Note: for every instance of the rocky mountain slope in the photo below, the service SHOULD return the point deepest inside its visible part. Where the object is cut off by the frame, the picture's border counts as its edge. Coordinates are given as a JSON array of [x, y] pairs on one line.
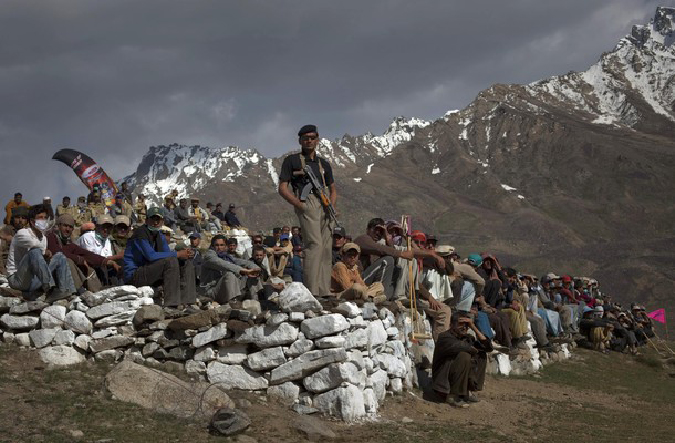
[[573, 173]]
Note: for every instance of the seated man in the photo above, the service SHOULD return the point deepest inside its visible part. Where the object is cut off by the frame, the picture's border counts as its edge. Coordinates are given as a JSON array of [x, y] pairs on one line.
[[346, 280], [294, 265], [185, 221], [279, 256], [149, 262], [82, 262], [121, 207], [227, 278], [213, 222], [266, 285], [19, 218], [99, 242], [460, 361], [32, 267], [466, 272], [339, 234], [232, 244], [377, 259], [231, 217], [273, 240]]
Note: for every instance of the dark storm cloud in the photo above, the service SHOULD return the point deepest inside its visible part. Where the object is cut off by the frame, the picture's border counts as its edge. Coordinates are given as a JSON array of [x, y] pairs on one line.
[[114, 77]]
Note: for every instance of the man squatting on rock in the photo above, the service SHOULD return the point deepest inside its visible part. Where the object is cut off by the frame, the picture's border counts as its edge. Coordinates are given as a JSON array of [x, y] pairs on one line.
[[313, 217]]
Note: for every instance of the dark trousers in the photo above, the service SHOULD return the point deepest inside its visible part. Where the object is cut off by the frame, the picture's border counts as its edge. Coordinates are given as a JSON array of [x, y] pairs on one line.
[[461, 374], [499, 321], [177, 279], [382, 270]]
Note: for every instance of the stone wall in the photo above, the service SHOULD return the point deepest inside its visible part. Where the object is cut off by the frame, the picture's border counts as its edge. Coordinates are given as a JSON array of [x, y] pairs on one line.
[[337, 359]]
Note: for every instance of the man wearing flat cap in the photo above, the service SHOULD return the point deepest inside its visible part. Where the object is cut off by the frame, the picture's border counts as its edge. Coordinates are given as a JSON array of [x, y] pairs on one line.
[[313, 217]]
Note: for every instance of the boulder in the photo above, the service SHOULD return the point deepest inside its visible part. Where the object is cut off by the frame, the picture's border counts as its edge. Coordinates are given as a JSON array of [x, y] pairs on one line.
[[376, 333], [215, 333], [299, 347], [268, 336], [266, 359], [195, 367], [147, 314], [229, 422], [6, 303], [115, 320], [205, 354], [391, 364], [109, 356], [233, 355], [296, 317], [370, 401], [116, 292], [356, 339], [324, 325], [297, 298], [16, 323], [82, 342], [252, 306], [330, 342], [104, 344], [22, 339], [42, 337], [379, 381], [333, 376], [285, 393], [103, 333], [277, 318], [111, 308], [195, 321], [163, 392], [306, 364], [52, 317], [344, 402], [28, 306], [78, 322], [235, 377], [64, 337], [348, 309], [61, 356]]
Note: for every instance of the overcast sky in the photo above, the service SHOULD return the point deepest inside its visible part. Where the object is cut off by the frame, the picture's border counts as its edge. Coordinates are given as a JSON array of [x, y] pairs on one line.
[[111, 78]]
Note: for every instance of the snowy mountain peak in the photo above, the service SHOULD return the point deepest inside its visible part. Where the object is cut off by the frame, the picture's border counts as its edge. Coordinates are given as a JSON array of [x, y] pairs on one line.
[[660, 30]]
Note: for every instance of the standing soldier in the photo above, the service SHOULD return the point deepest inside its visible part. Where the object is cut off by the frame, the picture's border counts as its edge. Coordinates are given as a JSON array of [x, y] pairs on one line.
[[313, 216], [83, 214], [96, 205]]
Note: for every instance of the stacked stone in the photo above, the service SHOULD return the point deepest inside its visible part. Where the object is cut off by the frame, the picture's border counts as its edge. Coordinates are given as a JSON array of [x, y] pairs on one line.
[[93, 325]]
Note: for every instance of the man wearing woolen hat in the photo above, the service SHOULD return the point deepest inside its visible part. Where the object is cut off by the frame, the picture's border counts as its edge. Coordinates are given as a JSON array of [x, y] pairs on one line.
[[313, 217]]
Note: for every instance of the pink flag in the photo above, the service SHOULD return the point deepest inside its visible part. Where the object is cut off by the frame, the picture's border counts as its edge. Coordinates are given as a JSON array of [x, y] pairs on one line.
[[659, 315]]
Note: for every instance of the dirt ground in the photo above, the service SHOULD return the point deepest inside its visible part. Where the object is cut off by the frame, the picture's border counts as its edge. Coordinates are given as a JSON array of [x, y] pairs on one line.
[[593, 397]]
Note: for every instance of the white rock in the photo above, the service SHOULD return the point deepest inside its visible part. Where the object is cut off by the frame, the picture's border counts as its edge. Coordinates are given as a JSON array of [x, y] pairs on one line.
[[18, 323], [134, 355], [395, 347], [109, 355], [357, 322], [78, 322], [42, 337], [52, 317], [297, 298], [235, 377], [325, 325], [103, 333], [396, 385], [376, 333], [392, 332], [61, 356], [7, 303], [268, 336], [369, 311], [252, 306], [64, 337], [369, 365], [115, 320], [296, 316], [277, 318], [150, 349], [266, 359], [391, 364], [299, 347], [146, 291], [356, 339], [8, 337], [504, 364], [111, 308], [379, 380], [285, 393], [306, 364], [115, 292], [344, 402], [22, 339], [333, 376], [370, 401], [357, 358], [215, 333], [82, 342], [205, 354], [233, 355], [330, 342], [145, 301], [195, 367], [348, 309]]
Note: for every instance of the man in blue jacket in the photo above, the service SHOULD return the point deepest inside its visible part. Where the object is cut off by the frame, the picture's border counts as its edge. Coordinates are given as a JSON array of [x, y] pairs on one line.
[[148, 261]]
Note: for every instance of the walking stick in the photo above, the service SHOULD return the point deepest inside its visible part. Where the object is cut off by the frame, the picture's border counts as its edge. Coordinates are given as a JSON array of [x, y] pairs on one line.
[[416, 334]]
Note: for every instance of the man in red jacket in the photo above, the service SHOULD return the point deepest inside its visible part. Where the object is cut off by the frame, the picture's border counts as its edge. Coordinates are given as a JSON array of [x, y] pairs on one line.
[[81, 261]]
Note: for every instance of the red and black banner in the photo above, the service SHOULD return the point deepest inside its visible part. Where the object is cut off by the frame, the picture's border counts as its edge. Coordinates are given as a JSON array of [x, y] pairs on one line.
[[91, 174]]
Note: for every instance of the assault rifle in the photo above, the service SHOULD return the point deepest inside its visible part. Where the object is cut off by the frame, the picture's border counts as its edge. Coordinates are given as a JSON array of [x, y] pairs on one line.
[[319, 189]]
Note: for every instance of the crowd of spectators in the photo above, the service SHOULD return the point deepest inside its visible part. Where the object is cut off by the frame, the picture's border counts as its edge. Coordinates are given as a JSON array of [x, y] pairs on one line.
[[192, 255]]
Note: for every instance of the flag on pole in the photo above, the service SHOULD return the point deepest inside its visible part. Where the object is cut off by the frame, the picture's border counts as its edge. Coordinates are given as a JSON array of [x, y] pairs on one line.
[[659, 315]]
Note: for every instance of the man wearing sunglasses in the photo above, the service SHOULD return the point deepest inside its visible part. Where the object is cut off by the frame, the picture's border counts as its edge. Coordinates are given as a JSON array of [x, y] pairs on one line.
[[314, 219]]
